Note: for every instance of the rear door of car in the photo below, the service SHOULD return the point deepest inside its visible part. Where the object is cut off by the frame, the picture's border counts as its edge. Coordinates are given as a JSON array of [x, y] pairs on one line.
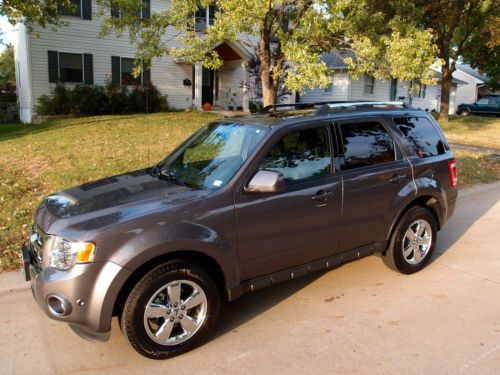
[[277, 231], [377, 179]]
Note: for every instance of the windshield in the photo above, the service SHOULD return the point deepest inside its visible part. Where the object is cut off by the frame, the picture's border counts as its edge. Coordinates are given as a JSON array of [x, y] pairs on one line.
[[212, 156]]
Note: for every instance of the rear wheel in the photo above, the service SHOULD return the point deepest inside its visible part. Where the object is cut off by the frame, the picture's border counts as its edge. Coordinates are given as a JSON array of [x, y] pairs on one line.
[[171, 310], [412, 242]]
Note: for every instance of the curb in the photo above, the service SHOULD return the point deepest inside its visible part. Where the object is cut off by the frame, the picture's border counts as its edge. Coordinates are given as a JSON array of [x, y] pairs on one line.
[[12, 282]]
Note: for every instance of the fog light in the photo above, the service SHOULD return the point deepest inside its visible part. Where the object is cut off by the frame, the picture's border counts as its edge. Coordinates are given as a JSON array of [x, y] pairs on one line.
[[58, 305]]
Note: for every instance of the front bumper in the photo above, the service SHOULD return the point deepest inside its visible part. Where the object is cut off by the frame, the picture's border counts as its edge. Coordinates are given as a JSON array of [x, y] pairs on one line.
[[88, 292]]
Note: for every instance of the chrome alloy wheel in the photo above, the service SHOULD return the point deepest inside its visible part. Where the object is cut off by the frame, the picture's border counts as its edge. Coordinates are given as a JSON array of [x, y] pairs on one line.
[[175, 312], [417, 241]]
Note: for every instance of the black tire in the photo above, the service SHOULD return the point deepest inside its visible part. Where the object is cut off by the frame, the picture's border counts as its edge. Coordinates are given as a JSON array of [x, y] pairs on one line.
[[464, 112], [132, 316], [394, 257]]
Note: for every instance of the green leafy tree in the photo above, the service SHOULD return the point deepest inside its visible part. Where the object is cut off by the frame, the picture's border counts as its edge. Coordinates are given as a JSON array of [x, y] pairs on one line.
[[288, 38], [459, 28], [34, 12], [7, 67]]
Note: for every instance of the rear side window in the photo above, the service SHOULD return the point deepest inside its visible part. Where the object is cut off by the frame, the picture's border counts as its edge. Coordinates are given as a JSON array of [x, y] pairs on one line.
[[365, 144], [421, 134]]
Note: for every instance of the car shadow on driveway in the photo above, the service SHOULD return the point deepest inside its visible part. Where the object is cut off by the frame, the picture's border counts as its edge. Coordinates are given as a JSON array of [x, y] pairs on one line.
[[466, 215]]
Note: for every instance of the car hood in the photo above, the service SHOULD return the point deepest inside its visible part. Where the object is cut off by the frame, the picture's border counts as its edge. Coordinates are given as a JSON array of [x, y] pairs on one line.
[[108, 201]]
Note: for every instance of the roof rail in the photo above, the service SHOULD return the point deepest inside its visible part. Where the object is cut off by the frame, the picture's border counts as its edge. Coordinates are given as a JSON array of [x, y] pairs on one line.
[[326, 107]]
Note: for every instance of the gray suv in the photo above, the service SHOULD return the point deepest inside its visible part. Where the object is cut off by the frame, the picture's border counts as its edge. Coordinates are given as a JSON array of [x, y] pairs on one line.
[[242, 204]]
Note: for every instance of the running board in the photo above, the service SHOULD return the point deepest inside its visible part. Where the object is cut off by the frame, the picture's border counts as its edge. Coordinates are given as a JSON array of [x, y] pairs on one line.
[[304, 269]]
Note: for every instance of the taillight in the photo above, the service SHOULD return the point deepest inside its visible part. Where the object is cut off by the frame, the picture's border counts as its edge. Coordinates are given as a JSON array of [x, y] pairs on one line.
[[452, 168]]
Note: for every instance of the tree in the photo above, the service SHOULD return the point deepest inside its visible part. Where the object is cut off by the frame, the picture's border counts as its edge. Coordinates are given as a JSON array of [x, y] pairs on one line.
[[34, 12], [459, 28], [287, 37], [7, 67]]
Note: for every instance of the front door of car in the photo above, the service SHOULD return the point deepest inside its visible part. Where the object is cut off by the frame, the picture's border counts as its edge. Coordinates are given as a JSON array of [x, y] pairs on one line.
[[377, 180], [281, 230]]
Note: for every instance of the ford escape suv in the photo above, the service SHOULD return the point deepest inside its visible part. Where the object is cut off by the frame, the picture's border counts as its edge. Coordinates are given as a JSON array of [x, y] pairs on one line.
[[242, 204]]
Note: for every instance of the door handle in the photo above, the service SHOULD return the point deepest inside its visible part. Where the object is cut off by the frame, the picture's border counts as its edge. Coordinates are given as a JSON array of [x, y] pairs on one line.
[[397, 178], [323, 195]]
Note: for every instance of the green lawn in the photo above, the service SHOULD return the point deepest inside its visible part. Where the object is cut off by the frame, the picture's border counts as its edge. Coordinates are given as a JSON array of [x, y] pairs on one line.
[[473, 130], [36, 160]]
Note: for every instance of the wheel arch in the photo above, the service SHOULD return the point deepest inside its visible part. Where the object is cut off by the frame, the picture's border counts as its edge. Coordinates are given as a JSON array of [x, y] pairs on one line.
[[426, 201], [200, 258]]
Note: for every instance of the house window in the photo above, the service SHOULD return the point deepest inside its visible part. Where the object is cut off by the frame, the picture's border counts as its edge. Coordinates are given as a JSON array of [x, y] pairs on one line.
[[126, 72], [143, 13], [71, 67], [74, 11], [329, 88], [423, 91], [204, 17], [369, 85], [79, 8], [122, 69]]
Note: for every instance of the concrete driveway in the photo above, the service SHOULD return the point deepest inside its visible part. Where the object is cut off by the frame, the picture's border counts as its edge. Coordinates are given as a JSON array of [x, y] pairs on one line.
[[360, 318]]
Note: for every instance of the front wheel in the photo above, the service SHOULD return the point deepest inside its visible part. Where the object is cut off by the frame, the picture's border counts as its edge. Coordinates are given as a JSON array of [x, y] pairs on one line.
[[464, 112], [171, 310], [412, 242]]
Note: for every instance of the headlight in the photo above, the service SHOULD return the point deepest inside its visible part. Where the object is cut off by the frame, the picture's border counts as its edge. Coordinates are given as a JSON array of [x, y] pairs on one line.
[[64, 254]]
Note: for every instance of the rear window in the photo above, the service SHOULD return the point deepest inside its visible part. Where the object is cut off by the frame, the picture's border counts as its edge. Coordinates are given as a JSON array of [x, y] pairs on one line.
[[421, 134]]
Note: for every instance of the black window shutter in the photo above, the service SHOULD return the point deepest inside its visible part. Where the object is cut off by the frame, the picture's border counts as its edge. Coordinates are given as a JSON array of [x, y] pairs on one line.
[[146, 10], [146, 74], [115, 11], [53, 67], [115, 70], [88, 69], [87, 9]]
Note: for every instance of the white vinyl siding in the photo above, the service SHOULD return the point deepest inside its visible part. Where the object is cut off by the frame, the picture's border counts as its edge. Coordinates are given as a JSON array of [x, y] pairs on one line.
[[340, 88], [381, 90]]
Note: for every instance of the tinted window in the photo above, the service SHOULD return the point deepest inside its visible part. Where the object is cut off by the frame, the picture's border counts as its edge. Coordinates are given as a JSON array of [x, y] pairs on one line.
[[366, 143], [300, 155], [422, 135], [482, 101]]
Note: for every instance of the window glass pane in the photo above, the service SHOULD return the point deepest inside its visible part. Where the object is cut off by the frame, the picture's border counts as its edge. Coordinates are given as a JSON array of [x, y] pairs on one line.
[[365, 144], [482, 101], [200, 20], [369, 83], [212, 9], [75, 10], [422, 135], [300, 155], [329, 88], [212, 157], [70, 67], [127, 69]]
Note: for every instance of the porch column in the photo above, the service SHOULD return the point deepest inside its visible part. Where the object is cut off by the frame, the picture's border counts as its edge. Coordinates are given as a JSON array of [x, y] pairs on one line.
[[198, 84], [246, 91]]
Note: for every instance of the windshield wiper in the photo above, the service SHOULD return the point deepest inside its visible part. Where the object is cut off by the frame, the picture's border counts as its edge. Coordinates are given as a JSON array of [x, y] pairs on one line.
[[170, 177]]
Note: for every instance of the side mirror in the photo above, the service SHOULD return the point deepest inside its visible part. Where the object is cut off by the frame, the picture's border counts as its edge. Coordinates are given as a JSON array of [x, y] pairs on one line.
[[266, 182]]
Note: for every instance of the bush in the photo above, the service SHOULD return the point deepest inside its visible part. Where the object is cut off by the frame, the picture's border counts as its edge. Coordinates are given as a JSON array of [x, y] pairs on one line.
[[97, 100], [8, 107]]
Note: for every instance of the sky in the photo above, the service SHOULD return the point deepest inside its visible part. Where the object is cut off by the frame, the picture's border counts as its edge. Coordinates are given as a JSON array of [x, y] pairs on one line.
[[8, 32]]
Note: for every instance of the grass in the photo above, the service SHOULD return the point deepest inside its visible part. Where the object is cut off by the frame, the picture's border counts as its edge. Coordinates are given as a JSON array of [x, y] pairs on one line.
[[36, 160], [473, 130]]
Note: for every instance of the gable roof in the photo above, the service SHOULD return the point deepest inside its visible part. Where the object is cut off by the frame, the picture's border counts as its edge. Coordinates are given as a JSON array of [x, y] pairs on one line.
[[466, 68]]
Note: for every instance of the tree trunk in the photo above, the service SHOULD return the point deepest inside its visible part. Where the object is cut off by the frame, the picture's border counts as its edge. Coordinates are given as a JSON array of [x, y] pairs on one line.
[[269, 86], [446, 80]]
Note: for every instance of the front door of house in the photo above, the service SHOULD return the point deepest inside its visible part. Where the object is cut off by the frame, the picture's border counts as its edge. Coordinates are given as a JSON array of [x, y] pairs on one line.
[[207, 90]]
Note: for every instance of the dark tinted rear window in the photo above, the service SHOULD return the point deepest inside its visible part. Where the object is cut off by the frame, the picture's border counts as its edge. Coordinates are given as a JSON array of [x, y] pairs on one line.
[[422, 135], [366, 143]]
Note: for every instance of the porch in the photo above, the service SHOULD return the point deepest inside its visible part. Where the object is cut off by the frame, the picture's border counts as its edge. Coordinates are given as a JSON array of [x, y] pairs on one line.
[[225, 88]]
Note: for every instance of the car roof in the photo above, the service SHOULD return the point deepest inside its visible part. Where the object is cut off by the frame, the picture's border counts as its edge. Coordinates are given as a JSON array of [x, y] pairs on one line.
[[294, 117]]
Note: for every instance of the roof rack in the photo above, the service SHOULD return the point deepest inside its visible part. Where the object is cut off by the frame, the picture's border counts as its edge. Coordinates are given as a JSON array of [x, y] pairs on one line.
[[327, 107]]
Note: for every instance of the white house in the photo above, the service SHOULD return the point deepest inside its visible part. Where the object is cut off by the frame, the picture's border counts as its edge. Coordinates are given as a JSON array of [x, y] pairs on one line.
[[476, 84], [344, 88], [74, 54]]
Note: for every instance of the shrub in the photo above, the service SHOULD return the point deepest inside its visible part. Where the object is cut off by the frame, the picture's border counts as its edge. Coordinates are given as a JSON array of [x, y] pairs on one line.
[[97, 100]]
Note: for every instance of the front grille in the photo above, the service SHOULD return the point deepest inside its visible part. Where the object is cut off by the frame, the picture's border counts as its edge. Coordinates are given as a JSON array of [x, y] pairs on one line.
[[37, 240]]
